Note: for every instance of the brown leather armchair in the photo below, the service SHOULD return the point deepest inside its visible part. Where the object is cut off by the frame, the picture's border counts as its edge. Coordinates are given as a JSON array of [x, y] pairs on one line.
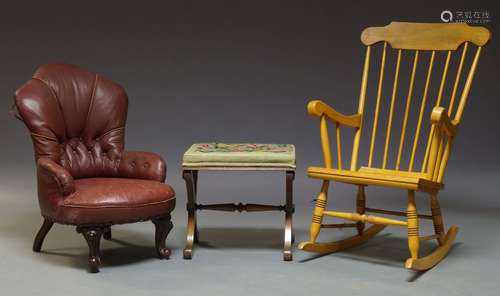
[[85, 178]]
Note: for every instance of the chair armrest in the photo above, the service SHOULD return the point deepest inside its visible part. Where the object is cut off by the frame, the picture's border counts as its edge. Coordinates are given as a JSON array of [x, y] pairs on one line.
[[440, 118], [142, 165], [319, 108], [58, 174]]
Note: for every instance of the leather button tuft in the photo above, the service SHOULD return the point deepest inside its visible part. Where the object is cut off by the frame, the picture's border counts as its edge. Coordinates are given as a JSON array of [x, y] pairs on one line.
[[132, 163], [146, 165]]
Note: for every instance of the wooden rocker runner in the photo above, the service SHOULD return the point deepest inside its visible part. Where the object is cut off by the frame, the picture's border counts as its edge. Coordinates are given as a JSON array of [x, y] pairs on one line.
[[432, 44]]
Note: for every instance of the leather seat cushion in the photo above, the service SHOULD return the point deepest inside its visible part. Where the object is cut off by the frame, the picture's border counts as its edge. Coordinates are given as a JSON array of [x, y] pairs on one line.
[[115, 200]]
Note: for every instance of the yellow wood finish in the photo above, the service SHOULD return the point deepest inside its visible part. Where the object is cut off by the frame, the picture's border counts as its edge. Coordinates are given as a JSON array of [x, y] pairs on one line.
[[421, 112], [424, 36], [413, 233], [439, 118], [437, 218], [391, 111], [435, 257], [311, 246], [407, 111], [364, 218], [377, 105], [468, 84], [359, 177], [438, 41], [361, 107], [319, 108], [339, 225], [339, 146], [319, 209], [457, 78], [360, 208], [438, 102], [395, 213], [325, 142]]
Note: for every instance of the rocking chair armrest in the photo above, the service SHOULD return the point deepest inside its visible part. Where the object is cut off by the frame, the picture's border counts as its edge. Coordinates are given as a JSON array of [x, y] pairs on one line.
[[440, 118], [319, 108], [58, 174]]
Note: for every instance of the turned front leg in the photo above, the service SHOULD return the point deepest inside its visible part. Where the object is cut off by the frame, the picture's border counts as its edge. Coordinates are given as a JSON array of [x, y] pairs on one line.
[[413, 232], [360, 207], [319, 209], [437, 218]]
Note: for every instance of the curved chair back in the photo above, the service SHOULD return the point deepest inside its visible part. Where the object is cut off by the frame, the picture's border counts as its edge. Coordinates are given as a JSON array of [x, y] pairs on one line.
[[75, 117]]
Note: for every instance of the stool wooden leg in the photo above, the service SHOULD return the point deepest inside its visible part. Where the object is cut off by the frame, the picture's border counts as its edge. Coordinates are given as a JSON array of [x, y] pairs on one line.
[[289, 208], [360, 207], [189, 177], [413, 233], [195, 188]]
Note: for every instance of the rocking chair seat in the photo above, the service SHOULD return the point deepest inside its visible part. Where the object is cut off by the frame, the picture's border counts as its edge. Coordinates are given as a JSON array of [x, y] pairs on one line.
[[115, 200], [373, 176]]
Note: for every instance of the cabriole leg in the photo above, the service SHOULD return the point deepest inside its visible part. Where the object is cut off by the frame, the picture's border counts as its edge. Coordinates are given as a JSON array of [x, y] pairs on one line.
[[93, 237], [163, 226], [40, 236]]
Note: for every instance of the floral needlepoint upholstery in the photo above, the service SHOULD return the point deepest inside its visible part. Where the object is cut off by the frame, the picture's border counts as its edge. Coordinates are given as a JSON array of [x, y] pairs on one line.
[[242, 154]]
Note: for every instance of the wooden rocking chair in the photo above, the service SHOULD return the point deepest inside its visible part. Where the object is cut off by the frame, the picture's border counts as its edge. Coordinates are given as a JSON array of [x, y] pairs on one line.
[[419, 39]]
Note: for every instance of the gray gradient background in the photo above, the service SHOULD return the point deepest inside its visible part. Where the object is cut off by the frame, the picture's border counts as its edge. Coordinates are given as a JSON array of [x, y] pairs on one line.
[[238, 71]]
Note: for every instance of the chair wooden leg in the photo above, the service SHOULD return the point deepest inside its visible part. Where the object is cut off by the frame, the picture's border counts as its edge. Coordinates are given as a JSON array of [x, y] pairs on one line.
[[360, 207], [196, 238], [445, 240], [189, 178], [107, 233], [40, 236], [163, 226], [318, 211], [289, 208], [335, 246], [413, 232], [93, 237], [437, 218]]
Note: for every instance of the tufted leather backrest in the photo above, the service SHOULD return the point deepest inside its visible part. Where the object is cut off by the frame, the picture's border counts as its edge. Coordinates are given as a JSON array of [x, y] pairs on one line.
[[76, 118]]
